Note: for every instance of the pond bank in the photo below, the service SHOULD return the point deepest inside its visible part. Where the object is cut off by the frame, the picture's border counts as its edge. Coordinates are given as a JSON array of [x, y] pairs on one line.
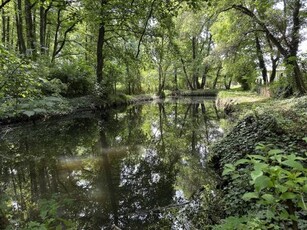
[[31, 110], [269, 124]]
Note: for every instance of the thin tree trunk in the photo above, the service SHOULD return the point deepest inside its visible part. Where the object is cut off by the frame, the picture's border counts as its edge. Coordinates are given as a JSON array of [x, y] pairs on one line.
[[274, 68], [8, 30], [186, 74], [4, 32], [217, 77], [176, 79], [42, 29], [57, 30], [100, 58], [261, 60], [195, 74]]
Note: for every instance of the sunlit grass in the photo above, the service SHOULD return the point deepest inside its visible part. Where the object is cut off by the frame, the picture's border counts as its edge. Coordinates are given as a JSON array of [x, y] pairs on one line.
[[240, 96], [290, 113]]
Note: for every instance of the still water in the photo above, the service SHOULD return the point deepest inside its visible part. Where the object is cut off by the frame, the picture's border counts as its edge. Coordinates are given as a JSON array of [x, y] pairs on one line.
[[137, 168]]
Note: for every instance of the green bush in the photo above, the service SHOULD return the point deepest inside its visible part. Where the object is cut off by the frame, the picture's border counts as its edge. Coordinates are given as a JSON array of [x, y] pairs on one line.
[[78, 77], [281, 88], [18, 76], [277, 189]]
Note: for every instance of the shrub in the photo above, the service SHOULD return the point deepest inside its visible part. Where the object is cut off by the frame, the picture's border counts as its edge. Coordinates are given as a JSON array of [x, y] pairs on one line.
[[278, 187], [78, 77]]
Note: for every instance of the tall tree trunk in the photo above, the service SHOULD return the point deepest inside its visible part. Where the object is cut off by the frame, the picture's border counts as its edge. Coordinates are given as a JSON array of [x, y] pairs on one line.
[[261, 60], [100, 45], [4, 32], [194, 71], [274, 68], [8, 30], [30, 29], [100, 57], [295, 41], [227, 83], [19, 26], [190, 85], [43, 13], [56, 35], [42, 29]]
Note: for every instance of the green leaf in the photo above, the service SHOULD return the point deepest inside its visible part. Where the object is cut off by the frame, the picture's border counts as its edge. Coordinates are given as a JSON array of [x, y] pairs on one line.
[[270, 214], [301, 203], [269, 198], [260, 166], [39, 110], [278, 158], [260, 147], [262, 182], [275, 151], [255, 174], [250, 195], [284, 215], [288, 196], [228, 168], [293, 164], [28, 113], [282, 188], [242, 161], [259, 157]]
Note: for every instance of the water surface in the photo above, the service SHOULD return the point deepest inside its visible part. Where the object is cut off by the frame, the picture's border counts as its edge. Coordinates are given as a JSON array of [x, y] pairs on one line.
[[137, 168]]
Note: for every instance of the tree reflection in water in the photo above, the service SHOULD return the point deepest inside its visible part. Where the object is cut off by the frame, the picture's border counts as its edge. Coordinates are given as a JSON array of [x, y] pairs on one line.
[[135, 168]]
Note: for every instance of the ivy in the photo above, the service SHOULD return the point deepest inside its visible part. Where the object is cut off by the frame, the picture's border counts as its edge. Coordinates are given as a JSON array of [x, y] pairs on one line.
[[278, 185]]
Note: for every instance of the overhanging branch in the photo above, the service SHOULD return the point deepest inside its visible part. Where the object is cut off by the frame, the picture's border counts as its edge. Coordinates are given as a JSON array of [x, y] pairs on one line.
[[145, 27]]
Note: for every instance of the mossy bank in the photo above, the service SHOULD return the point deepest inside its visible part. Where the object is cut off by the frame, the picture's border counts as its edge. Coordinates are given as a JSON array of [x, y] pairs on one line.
[[269, 142]]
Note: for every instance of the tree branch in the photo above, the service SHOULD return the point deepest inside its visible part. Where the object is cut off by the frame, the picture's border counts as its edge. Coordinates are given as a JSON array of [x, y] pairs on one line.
[[64, 39], [145, 27], [274, 40], [4, 3]]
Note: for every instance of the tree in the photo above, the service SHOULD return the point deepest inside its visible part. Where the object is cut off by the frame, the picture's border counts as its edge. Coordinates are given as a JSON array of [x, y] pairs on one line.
[[235, 47], [284, 35], [193, 44]]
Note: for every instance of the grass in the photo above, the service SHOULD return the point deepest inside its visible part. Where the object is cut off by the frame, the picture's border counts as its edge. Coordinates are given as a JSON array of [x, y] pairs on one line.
[[291, 114]]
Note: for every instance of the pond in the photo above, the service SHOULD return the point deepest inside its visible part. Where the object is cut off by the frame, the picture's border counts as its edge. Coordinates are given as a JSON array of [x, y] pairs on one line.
[[138, 167]]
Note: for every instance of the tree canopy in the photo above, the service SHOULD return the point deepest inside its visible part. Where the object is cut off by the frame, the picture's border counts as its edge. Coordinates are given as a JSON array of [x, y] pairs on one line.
[[149, 46]]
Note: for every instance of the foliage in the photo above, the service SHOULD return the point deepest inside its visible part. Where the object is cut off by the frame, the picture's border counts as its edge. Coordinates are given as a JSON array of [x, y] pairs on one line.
[[242, 139], [47, 217], [18, 76], [281, 88], [77, 76], [44, 106], [278, 185]]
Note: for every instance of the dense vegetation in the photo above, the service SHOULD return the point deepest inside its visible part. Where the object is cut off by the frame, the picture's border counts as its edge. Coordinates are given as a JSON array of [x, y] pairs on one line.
[[59, 56], [56, 48], [262, 164]]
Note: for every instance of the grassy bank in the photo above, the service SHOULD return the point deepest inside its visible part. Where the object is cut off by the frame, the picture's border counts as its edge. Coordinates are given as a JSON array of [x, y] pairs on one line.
[[262, 162]]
